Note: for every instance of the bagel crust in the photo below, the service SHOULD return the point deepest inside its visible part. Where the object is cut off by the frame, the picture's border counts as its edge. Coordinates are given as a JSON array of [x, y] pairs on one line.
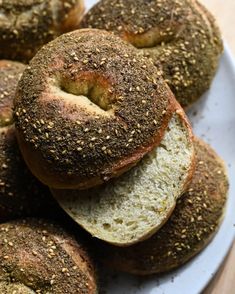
[[10, 73], [21, 194], [88, 108], [180, 36], [40, 257], [191, 227], [26, 25]]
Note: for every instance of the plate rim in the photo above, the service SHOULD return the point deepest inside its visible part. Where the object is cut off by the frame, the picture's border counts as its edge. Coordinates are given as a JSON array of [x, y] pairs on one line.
[[231, 62]]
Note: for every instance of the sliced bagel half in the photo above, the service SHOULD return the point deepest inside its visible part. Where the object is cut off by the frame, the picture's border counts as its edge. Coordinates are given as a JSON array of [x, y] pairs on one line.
[[193, 224], [133, 207]]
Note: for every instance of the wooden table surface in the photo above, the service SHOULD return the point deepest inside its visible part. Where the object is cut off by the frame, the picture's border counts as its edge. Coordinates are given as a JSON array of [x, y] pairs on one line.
[[223, 10], [224, 280]]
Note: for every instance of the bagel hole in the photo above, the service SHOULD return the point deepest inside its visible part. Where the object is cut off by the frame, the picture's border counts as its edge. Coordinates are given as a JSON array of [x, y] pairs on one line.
[[151, 39], [91, 93]]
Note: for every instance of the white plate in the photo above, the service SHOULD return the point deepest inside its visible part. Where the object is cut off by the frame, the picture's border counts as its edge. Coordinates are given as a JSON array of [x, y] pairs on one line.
[[213, 119]]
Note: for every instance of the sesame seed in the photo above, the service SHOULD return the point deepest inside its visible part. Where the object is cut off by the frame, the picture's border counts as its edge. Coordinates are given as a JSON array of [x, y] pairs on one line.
[[64, 269]]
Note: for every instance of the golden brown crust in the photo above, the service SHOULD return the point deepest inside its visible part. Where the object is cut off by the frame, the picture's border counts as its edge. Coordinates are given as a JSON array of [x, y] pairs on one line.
[[26, 25], [192, 225], [20, 193], [186, 122], [181, 37], [42, 257], [72, 141]]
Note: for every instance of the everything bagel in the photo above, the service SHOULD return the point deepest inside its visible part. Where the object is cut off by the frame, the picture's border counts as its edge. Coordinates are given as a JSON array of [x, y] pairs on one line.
[[37, 256], [26, 25], [180, 36], [88, 108], [21, 194]]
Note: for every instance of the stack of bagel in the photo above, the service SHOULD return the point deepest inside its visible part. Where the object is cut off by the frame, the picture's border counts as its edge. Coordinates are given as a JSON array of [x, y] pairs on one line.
[[94, 128]]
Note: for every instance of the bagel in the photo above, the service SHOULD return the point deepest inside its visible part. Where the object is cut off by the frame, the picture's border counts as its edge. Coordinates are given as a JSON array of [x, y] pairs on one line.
[[10, 73], [20, 193], [88, 108], [134, 206], [40, 257], [26, 25], [194, 222], [180, 36]]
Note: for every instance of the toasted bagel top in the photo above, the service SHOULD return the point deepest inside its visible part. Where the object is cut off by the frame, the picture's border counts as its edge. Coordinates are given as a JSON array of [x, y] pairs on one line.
[[40, 256], [91, 106], [181, 37], [26, 25]]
